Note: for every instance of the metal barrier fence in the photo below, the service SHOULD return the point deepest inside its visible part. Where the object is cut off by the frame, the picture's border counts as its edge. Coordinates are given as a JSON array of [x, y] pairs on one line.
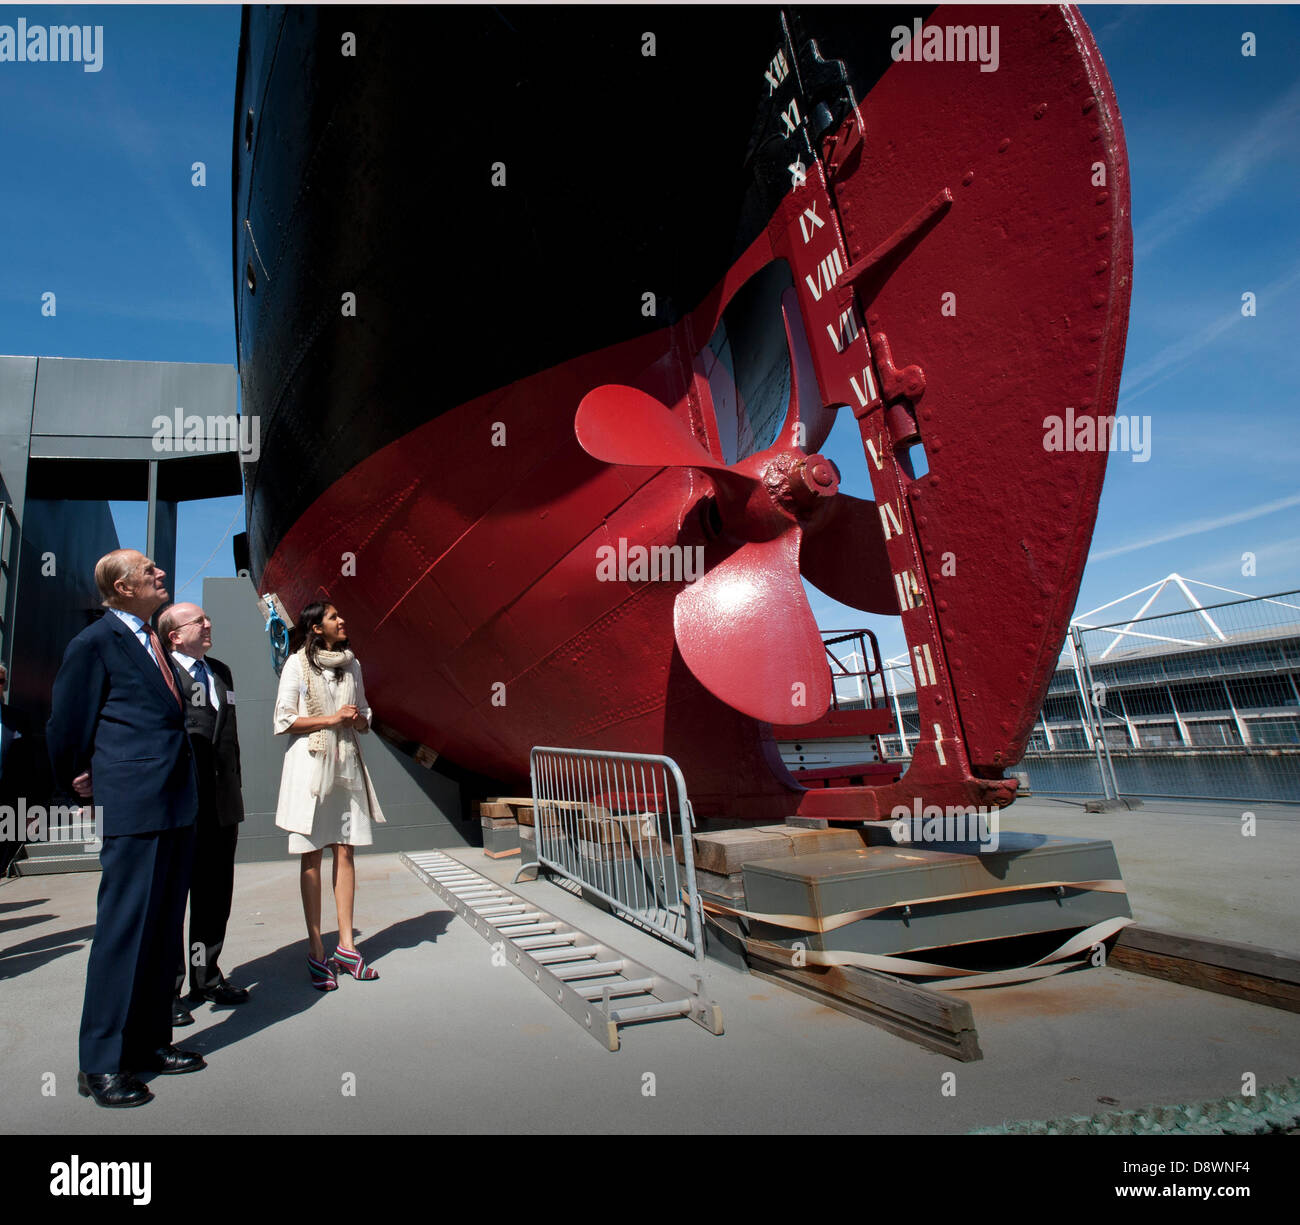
[[1197, 703], [609, 821], [1200, 704]]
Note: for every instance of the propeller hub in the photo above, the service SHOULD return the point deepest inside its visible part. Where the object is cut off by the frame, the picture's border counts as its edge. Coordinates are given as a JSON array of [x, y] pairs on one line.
[[820, 476], [799, 483]]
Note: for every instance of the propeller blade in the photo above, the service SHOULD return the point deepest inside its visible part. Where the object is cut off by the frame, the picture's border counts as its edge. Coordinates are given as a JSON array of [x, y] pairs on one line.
[[622, 425], [806, 407], [843, 554], [746, 632]]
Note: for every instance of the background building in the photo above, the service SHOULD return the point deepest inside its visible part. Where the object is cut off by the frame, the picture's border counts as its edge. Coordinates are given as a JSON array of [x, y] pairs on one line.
[[1201, 701]]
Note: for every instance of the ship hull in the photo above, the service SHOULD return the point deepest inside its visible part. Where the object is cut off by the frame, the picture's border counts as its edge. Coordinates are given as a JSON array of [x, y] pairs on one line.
[[435, 267], [457, 531]]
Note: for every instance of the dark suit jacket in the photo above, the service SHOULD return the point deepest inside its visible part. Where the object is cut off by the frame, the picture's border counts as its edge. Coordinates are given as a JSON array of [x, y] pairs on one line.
[[19, 777], [24, 768], [15, 742], [112, 712], [216, 746]]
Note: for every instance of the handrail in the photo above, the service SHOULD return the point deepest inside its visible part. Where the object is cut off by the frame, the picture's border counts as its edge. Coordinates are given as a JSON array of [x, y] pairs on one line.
[[872, 692]]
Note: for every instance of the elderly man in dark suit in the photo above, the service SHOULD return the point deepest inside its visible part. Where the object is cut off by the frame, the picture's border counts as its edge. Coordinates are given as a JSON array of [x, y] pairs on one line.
[[117, 732], [214, 736]]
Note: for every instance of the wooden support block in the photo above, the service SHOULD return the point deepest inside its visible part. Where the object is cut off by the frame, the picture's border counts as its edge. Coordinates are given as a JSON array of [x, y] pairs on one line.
[[522, 808], [638, 827], [729, 889], [1246, 971], [498, 822], [803, 841], [603, 852], [527, 801], [501, 854], [601, 840], [725, 851], [604, 832], [513, 807], [935, 1020]]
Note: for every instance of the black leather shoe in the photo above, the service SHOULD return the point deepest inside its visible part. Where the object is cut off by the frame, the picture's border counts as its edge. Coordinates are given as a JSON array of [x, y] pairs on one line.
[[180, 1015], [222, 993], [168, 1061], [113, 1089]]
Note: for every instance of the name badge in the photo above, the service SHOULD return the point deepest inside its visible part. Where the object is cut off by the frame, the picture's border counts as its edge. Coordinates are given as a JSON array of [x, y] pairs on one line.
[[230, 696]]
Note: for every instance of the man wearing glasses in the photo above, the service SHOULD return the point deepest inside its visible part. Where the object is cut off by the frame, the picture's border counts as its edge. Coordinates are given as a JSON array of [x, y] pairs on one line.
[[117, 734], [214, 735]]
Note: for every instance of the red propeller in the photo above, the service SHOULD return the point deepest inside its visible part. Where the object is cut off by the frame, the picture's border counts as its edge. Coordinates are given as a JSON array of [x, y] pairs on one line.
[[745, 628]]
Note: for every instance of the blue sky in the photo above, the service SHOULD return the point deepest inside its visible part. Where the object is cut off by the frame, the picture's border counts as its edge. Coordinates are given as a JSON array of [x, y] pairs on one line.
[[98, 206], [1214, 157], [1214, 151]]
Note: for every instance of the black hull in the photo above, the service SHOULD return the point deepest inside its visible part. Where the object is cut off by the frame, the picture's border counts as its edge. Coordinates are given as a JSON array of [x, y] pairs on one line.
[[625, 175]]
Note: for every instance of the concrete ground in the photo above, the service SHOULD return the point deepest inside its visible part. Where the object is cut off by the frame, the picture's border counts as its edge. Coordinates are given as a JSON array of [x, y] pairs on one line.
[[447, 1042]]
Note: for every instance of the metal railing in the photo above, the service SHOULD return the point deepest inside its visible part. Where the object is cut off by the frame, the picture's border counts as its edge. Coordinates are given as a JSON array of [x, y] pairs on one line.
[[859, 665], [610, 822], [1202, 703]]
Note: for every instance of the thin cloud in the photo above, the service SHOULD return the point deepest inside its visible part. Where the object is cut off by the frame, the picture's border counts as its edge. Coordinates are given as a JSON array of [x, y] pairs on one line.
[[1112, 29], [1270, 559], [1197, 526], [160, 167], [1172, 358], [1274, 131]]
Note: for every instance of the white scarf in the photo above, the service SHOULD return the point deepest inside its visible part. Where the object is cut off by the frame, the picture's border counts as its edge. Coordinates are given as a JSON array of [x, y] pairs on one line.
[[335, 754]]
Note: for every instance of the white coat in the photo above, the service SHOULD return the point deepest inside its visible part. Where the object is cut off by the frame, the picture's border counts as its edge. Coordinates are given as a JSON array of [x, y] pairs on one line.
[[296, 809]]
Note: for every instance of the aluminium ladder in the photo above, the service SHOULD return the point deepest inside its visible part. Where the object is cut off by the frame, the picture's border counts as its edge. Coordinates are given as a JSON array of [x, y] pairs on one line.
[[584, 975]]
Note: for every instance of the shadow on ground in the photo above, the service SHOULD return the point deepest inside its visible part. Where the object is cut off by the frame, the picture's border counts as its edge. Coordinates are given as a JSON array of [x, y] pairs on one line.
[[6, 907], [29, 955], [280, 988]]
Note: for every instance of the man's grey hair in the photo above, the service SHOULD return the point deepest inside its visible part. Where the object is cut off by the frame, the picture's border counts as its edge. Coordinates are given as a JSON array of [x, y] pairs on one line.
[[118, 564]]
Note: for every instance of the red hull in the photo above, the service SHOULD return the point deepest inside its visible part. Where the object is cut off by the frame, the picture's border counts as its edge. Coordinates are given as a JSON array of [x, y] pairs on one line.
[[464, 555]]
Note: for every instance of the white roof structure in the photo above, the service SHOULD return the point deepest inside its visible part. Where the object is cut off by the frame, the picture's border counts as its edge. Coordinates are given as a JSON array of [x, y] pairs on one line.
[[1214, 633], [1129, 639]]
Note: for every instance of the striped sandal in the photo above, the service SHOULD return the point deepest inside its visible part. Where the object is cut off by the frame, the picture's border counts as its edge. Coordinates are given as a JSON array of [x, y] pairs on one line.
[[349, 961], [323, 977]]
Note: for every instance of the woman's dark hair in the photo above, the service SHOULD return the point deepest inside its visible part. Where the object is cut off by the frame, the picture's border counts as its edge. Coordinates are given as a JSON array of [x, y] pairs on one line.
[[310, 617]]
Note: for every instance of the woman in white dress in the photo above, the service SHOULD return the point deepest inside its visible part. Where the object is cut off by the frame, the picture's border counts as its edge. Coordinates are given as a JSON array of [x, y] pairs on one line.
[[326, 797]]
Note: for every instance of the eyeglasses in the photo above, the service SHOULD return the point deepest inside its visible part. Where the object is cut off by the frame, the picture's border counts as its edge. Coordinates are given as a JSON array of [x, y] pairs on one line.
[[196, 621]]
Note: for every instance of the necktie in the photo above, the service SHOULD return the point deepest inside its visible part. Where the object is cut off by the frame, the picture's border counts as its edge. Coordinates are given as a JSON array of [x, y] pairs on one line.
[[200, 674], [162, 666]]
